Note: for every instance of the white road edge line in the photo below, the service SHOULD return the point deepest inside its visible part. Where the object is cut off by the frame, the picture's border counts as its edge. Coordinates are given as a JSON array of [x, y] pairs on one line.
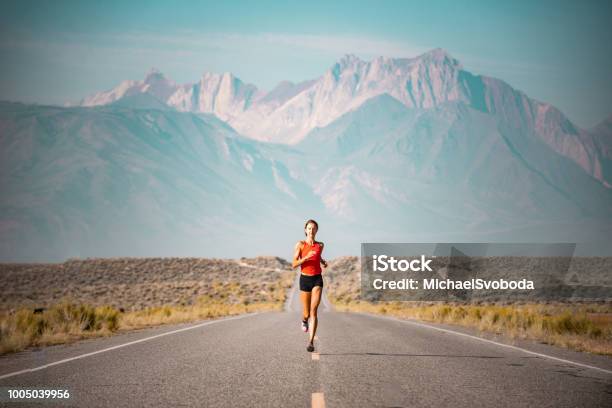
[[29, 370], [291, 294], [326, 304], [490, 341]]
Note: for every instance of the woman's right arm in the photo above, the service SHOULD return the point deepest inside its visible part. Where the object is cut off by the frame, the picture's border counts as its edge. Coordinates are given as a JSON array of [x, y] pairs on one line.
[[296, 255], [297, 261]]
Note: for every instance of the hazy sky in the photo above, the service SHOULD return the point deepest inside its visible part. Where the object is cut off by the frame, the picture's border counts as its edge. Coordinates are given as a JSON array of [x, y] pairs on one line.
[[54, 52]]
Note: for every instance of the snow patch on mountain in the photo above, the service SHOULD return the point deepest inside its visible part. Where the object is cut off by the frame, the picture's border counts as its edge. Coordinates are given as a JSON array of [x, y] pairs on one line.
[[281, 184], [155, 84]]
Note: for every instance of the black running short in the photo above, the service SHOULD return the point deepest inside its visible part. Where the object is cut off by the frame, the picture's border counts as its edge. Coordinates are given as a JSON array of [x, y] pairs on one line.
[[308, 282]]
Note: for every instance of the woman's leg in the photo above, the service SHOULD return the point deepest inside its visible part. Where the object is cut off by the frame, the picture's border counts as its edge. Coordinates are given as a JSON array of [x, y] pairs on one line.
[[314, 306], [305, 298]]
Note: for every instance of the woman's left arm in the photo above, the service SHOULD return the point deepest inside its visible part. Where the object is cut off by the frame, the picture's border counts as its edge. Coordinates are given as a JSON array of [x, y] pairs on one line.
[[323, 261]]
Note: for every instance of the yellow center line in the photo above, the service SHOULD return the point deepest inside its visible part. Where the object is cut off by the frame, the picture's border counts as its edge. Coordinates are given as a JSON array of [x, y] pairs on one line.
[[317, 400]]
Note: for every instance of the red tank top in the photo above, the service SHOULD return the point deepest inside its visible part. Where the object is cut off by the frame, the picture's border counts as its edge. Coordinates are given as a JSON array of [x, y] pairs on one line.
[[312, 266]]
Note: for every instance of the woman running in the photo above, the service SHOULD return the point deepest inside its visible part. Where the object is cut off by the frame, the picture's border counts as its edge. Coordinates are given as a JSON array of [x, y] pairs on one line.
[[308, 256]]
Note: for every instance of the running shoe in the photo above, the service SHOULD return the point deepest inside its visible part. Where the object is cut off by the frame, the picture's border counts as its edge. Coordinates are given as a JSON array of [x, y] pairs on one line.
[[305, 325], [310, 347]]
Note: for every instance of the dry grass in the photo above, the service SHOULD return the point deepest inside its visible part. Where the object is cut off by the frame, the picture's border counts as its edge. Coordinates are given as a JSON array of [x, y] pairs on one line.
[[579, 326], [182, 314], [60, 324], [566, 325], [227, 288]]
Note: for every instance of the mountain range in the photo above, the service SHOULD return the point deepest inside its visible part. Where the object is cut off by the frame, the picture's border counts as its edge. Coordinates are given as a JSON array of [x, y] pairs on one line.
[[405, 150]]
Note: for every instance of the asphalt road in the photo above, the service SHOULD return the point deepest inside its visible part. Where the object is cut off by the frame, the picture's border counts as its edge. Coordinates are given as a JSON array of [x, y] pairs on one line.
[[260, 360]]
